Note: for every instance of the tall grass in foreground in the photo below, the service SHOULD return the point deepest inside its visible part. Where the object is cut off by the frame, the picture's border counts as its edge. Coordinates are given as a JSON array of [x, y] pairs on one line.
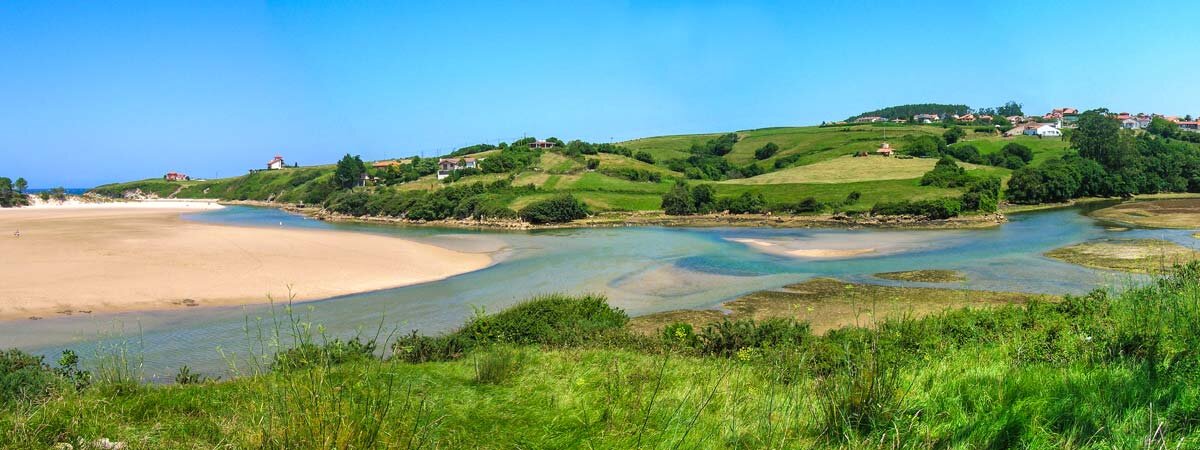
[[1097, 371]]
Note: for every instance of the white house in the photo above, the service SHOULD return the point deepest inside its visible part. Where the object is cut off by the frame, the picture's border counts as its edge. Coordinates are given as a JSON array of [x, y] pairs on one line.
[[1047, 130], [276, 163], [448, 165], [1131, 124]]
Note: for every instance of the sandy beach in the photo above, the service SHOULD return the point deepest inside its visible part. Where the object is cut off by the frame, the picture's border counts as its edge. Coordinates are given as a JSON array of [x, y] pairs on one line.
[[115, 257]]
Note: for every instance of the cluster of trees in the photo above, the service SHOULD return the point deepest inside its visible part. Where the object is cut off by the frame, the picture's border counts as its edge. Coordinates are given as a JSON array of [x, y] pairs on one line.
[[908, 111], [632, 174], [1110, 162], [707, 161], [13, 193], [511, 158], [702, 199], [559, 209], [577, 147], [1010, 108], [1011, 156], [982, 195], [472, 201]]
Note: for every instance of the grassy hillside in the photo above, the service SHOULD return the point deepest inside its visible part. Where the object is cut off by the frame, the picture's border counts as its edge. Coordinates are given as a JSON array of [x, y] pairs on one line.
[[1099, 371], [811, 162]]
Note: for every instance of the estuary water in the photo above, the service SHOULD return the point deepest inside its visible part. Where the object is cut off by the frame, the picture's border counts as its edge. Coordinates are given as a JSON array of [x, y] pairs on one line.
[[642, 270]]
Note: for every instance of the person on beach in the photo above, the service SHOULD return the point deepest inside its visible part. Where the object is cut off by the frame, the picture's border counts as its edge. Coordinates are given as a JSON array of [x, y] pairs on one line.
[[17, 234]]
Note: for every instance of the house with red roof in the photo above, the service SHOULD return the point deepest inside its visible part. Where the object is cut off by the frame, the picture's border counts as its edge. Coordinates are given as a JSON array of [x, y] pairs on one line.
[[176, 176], [275, 164]]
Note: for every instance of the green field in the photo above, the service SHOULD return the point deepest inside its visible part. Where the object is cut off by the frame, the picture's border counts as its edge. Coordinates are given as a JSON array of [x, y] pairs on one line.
[[1043, 148]]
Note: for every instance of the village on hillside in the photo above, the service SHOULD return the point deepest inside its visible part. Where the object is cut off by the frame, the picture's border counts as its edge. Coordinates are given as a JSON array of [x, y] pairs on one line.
[[1050, 124]]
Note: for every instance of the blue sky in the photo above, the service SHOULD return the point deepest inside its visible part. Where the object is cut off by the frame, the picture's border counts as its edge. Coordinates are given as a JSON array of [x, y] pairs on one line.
[[95, 92]]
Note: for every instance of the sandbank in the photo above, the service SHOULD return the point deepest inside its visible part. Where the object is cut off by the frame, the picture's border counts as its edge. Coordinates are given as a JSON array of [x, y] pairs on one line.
[[134, 256]]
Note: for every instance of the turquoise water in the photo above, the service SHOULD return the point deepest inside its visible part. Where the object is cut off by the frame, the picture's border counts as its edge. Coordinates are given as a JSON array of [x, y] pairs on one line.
[[642, 270]]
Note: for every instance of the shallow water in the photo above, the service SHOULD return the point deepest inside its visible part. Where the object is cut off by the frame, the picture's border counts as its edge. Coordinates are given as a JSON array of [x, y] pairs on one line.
[[642, 270]]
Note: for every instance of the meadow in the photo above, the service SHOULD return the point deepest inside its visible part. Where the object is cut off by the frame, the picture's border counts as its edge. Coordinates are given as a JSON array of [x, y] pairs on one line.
[[1105, 370]]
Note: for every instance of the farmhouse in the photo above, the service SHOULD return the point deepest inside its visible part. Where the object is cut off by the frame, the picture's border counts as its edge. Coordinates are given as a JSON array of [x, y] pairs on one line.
[[275, 164], [1189, 125], [448, 165], [1130, 123], [390, 163], [966, 118], [1046, 130], [541, 144], [176, 176], [885, 150]]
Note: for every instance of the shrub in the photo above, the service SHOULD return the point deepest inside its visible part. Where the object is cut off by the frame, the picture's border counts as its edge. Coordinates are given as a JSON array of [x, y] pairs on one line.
[[680, 334], [786, 161], [644, 157], [678, 201], [936, 209], [25, 378], [563, 208], [497, 365], [333, 352], [947, 174], [728, 337], [593, 163], [865, 395], [746, 203], [766, 151], [852, 198], [965, 153], [954, 134]]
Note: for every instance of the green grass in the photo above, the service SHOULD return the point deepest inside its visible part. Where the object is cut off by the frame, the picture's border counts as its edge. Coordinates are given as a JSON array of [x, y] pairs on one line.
[[872, 191], [668, 147], [815, 144], [1100, 371], [1043, 149]]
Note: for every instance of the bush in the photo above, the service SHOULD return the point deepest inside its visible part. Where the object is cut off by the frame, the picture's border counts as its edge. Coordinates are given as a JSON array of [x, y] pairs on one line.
[[946, 174], [644, 157], [555, 320], [786, 161], [560, 209], [954, 134], [746, 203], [593, 163], [728, 337], [965, 153], [766, 151], [336, 351], [25, 378]]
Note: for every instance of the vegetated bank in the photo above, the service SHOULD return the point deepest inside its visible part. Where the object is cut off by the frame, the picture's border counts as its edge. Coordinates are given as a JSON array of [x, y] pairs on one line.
[[1105, 370]]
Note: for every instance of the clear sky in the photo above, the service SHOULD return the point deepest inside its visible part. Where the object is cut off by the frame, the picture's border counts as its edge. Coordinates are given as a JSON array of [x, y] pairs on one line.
[[95, 92]]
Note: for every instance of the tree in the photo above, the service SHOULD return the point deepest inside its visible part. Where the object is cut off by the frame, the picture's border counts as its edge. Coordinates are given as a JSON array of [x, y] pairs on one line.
[[1158, 126], [349, 171], [1018, 150], [21, 185], [678, 201], [766, 151], [644, 157], [1010, 109], [1096, 138], [954, 134], [925, 146]]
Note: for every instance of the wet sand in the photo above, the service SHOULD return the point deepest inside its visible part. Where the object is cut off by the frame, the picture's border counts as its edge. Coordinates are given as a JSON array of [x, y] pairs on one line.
[[133, 257]]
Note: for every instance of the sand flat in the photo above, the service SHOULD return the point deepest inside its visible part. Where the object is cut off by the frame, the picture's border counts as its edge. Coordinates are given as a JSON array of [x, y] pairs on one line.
[[133, 257]]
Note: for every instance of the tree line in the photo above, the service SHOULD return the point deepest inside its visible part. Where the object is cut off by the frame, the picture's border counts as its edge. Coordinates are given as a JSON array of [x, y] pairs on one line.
[[1110, 161]]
